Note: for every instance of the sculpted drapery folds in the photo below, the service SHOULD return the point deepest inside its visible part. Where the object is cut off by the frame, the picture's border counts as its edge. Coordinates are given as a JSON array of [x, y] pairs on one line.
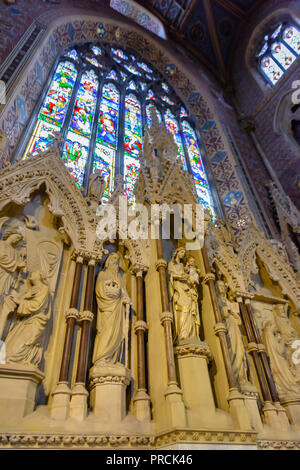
[[24, 342], [184, 282], [112, 301], [230, 310], [10, 261]]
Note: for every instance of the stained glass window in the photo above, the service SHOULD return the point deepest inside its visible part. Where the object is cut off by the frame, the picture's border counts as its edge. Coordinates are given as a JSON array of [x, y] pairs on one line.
[[278, 51], [101, 113]]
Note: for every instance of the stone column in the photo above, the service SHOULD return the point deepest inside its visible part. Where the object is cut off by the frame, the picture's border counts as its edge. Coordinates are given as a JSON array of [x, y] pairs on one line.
[[235, 398], [173, 394], [266, 366], [273, 412], [141, 399], [60, 406], [78, 405]]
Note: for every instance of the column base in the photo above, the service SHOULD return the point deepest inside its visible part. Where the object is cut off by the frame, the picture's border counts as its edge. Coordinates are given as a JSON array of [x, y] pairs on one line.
[[141, 402], [239, 410], [271, 416], [78, 404], [250, 400], [292, 408], [108, 391], [174, 400], [18, 384], [60, 406]]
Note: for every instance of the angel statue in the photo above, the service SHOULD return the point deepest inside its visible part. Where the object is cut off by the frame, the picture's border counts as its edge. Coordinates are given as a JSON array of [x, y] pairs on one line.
[[113, 312]]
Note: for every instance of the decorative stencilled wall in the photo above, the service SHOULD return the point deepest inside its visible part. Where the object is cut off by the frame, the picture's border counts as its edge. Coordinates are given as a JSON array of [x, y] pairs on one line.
[[75, 28]]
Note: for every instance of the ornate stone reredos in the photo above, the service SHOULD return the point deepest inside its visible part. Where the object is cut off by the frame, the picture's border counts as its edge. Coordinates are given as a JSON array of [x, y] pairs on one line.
[[288, 216], [221, 254], [255, 243], [286, 210], [18, 181], [162, 178], [138, 250]]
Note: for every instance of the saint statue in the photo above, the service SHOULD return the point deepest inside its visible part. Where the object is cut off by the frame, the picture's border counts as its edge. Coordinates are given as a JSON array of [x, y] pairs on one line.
[[113, 302], [184, 294], [10, 261], [24, 342], [230, 310]]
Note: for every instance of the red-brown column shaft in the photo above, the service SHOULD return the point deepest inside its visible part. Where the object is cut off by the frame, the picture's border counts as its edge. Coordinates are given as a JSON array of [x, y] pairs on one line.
[[85, 324], [65, 363]]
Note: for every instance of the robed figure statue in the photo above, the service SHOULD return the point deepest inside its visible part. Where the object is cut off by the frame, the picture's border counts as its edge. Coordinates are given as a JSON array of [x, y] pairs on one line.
[[113, 302]]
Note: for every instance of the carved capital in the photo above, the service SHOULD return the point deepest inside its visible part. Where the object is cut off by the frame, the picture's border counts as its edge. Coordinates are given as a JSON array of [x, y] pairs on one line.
[[220, 327], [72, 313], [252, 347], [160, 263], [110, 379], [200, 350], [139, 269], [92, 261], [208, 277], [79, 259], [261, 348], [165, 316], [86, 315], [140, 325]]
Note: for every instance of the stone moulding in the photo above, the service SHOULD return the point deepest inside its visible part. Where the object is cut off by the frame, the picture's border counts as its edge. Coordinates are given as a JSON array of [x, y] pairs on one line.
[[59, 441]]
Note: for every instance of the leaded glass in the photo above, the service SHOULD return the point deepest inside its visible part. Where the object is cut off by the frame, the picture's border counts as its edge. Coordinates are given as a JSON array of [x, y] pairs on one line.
[[291, 36], [145, 67], [96, 50], [120, 54], [172, 127], [198, 171], [77, 144], [112, 75], [271, 69], [54, 108], [133, 126], [72, 54], [283, 55], [113, 142]]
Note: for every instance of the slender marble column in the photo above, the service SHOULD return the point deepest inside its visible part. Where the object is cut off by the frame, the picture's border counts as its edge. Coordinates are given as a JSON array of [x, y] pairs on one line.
[[173, 394], [78, 406], [141, 399]]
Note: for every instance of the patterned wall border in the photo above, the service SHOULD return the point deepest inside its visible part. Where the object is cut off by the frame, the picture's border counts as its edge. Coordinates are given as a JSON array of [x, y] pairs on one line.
[[58, 36]]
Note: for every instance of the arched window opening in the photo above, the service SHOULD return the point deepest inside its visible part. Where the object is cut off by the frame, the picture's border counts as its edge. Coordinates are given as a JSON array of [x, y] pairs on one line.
[[278, 51], [99, 100]]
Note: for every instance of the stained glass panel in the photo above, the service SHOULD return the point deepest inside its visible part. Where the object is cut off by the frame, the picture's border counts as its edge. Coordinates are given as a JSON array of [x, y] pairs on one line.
[[133, 126], [165, 87], [166, 99], [54, 108], [96, 50], [108, 119], [112, 75], [198, 171], [132, 86], [94, 62], [72, 54], [123, 76], [119, 53], [183, 112], [131, 172], [291, 36], [145, 67], [75, 154], [104, 160], [272, 71], [283, 55], [84, 108], [132, 69], [150, 95], [172, 127]]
